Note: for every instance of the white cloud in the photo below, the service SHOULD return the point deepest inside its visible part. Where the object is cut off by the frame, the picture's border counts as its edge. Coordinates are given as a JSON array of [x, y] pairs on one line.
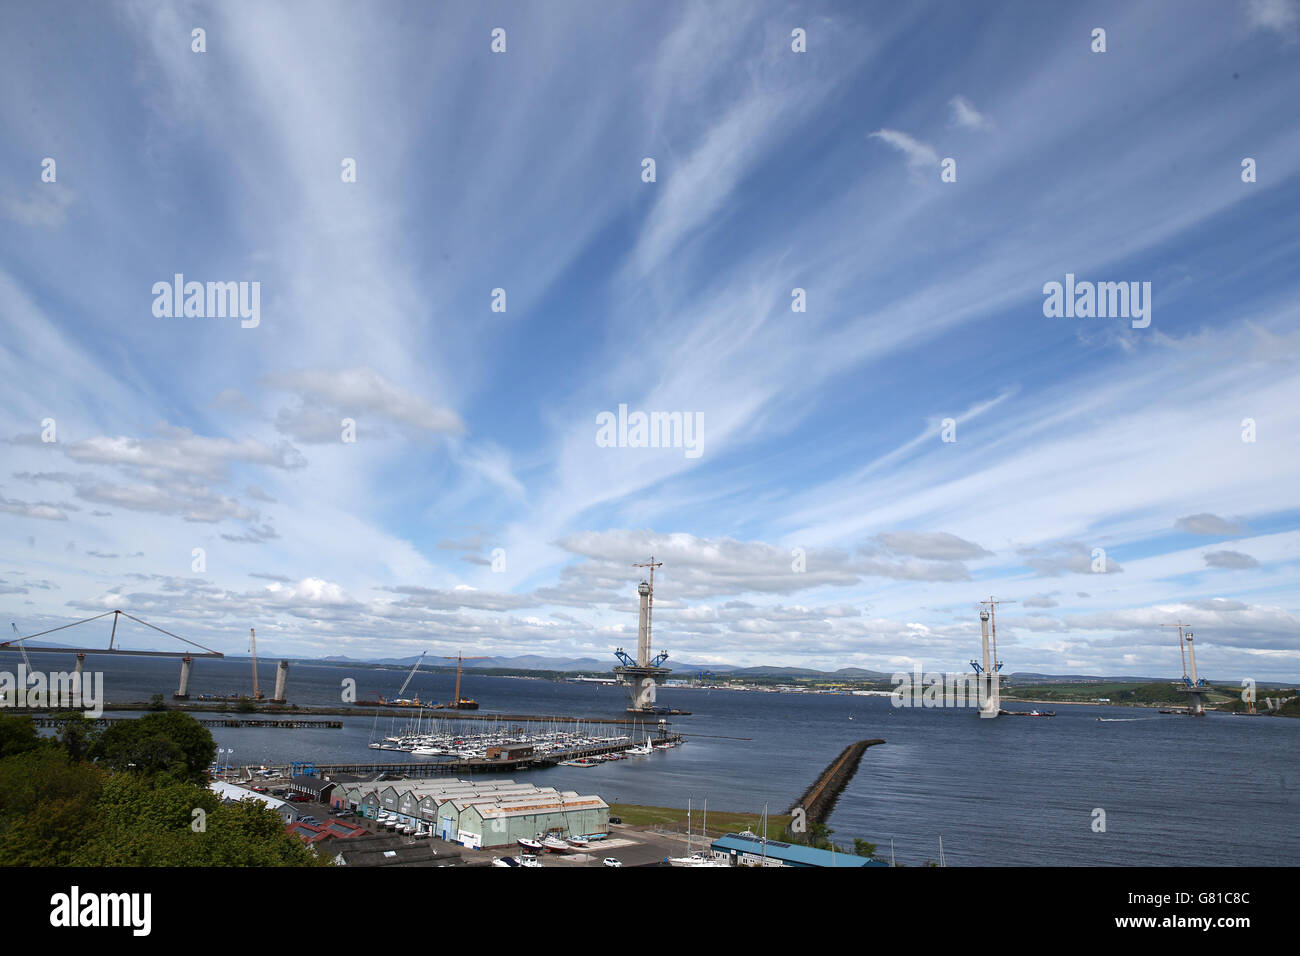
[[1279, 16], [965, 115], [919, 155]]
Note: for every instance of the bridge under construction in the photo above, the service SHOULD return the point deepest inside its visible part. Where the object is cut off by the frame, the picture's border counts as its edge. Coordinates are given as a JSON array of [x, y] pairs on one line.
[[187, 657]]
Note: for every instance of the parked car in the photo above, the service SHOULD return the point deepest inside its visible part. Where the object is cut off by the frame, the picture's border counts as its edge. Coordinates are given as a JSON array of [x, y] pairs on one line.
[[309, 820], [298, 798], [615, 819], [611, 861]]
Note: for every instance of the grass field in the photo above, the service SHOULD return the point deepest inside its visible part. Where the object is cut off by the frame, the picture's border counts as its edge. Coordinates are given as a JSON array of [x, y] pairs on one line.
[[720, 821]]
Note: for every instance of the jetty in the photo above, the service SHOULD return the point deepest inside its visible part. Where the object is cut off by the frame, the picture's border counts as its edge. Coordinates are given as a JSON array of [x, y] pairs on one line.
[[818, 800], [430, 768]]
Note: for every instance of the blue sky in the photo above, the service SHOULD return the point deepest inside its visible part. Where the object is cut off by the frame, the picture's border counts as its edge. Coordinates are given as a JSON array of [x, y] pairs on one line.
[[822, 430]]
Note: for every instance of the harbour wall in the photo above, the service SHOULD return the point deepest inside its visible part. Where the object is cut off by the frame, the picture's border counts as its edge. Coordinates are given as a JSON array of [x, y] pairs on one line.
[[819, 799]]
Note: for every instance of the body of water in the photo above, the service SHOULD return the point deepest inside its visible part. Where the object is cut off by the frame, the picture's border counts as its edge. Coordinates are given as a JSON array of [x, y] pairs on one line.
[[1012, 791]]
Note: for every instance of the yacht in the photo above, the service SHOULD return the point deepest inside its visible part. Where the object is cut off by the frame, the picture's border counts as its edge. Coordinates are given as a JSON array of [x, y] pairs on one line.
[[696, 860]]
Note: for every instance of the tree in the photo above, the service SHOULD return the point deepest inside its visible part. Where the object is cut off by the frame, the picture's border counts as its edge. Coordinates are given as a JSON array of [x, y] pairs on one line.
[[157, 703], [46, 805], [17, 735], [144, 821], [76, 733], [171, 743], [143, 804], [819, 836], [863, 848]]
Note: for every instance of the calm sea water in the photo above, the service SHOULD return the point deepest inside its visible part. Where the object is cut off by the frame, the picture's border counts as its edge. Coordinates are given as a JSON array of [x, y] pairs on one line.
[[1011, 791]]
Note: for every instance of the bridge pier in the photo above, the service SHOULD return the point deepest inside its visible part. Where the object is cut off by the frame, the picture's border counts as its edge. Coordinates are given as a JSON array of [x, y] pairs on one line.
[[281, 680], [183, 691], [81, 663]]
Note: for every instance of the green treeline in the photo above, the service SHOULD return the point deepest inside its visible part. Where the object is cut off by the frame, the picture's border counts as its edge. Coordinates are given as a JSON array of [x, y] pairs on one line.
[[134, 794]]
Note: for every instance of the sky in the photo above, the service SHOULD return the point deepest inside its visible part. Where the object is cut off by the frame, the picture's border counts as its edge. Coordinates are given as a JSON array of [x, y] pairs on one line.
[[836, 267]]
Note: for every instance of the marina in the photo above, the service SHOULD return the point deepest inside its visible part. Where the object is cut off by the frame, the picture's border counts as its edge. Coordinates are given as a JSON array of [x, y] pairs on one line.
[[553, 752]]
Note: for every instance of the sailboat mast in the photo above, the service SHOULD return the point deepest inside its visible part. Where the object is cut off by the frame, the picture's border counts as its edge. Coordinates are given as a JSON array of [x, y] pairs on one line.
[[688, 826]]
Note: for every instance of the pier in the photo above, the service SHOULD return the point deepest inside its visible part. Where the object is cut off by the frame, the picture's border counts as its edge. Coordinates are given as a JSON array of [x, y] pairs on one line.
[[430, 768], [818, 799]]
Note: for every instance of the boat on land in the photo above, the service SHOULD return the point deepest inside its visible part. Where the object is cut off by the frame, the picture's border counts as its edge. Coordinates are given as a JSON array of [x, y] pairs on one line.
[[698, 858], [553, 844], [528, 844]]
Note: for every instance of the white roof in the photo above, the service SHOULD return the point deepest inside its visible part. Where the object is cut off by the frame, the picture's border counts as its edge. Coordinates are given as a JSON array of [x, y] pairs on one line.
[[228, 791]]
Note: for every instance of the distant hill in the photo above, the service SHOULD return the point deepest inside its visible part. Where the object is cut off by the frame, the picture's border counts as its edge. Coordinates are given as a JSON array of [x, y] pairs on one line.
[[681, 669]]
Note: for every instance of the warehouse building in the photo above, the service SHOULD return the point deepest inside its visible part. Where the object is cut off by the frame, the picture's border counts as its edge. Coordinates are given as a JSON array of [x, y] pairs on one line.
[[485, 824], [478, 814]]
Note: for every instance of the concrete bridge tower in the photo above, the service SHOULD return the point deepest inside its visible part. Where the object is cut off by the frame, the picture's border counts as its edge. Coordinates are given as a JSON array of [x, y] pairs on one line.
[[183, 691], [1194, 686], [281, 682], [643, 673], [988, 680]]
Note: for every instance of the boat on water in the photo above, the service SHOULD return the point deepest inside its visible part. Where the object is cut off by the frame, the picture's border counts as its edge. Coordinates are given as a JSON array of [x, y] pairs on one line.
[[1027, 713], [464, 703]]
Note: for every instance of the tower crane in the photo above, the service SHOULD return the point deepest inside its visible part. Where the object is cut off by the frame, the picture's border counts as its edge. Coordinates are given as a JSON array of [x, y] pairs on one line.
[[252, 648], [458, 702]]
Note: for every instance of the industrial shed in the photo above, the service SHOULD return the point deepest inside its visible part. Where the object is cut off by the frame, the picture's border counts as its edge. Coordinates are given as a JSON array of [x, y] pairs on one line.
[[487, 813], [484, 824], [316, 788]]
